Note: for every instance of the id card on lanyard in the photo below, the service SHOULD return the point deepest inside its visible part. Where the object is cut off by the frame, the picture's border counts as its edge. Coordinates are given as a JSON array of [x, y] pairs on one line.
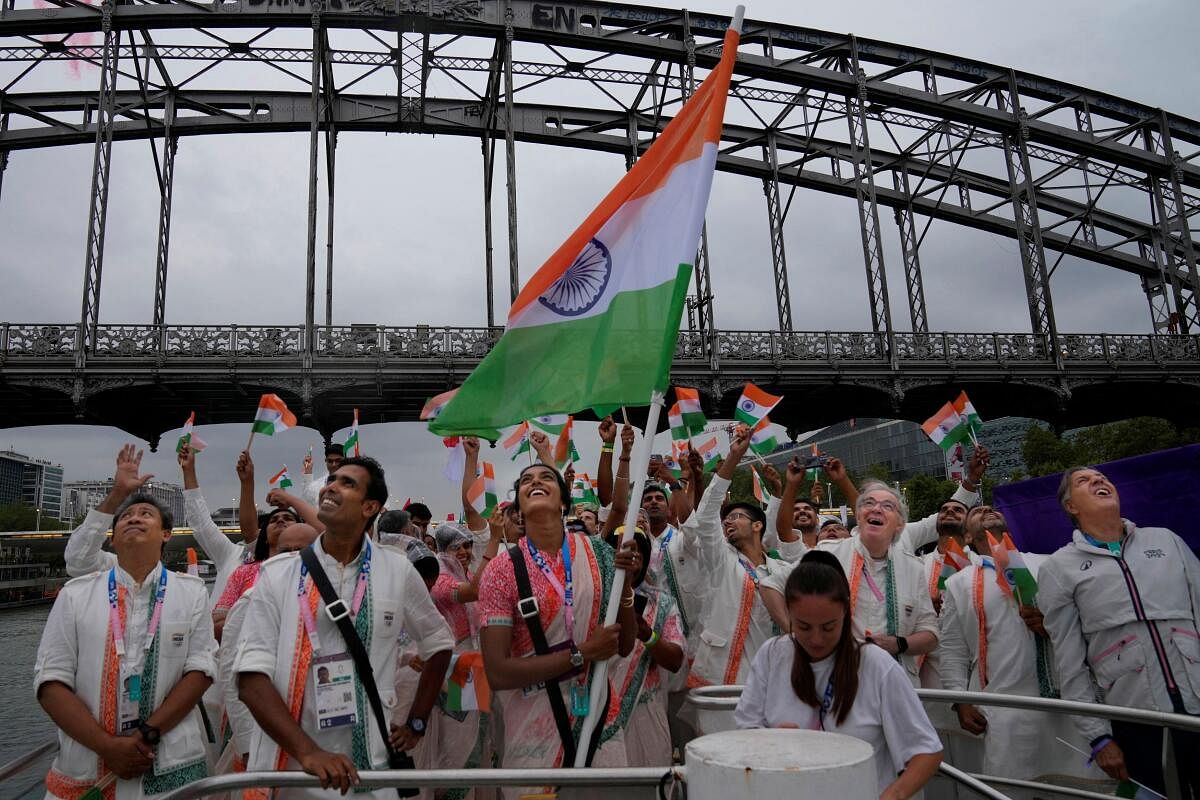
[[130, 696], [360, 591]]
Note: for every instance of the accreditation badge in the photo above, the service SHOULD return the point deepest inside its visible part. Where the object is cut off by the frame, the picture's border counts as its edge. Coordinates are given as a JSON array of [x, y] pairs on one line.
[[334, 690]]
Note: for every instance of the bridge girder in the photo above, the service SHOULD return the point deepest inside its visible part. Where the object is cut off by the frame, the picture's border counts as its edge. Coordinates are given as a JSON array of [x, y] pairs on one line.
[[655, 33], [271, 112]]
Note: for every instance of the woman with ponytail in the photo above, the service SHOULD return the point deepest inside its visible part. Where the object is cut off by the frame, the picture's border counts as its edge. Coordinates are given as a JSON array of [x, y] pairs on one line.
[[820, 678]]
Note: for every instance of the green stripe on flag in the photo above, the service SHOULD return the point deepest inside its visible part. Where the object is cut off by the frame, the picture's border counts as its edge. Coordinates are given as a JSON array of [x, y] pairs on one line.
[[264, 426], [615, 358]]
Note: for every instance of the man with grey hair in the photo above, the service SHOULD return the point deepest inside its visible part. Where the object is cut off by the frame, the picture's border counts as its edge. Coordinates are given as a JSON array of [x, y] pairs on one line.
[[889, 602], [1122, 606]]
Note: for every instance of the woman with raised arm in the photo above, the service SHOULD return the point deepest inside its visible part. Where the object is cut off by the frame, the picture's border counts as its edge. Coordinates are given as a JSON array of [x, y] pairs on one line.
[[819, 677], [542, 605]]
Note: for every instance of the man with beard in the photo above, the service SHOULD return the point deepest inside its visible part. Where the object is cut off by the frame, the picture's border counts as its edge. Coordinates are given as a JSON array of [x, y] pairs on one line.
[[796, 530], [992, 643]]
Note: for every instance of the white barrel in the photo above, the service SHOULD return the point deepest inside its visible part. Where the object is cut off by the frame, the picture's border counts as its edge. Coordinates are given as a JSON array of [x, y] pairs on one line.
[[780, 764], [714, 707]]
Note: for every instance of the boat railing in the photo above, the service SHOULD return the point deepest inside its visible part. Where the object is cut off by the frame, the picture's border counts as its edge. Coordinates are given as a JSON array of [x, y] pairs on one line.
[[660, 777]]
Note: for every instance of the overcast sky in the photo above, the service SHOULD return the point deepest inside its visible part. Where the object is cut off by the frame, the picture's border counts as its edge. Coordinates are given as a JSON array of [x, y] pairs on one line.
[[409, 241]]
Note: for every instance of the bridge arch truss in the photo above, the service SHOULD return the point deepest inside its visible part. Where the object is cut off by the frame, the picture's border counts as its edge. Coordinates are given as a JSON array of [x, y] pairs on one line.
[[1061, 169]]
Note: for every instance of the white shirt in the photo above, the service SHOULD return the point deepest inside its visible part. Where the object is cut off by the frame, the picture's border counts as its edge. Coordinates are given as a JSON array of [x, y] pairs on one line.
[[72, 652], [241, 721], [400, 602], [886, 713]]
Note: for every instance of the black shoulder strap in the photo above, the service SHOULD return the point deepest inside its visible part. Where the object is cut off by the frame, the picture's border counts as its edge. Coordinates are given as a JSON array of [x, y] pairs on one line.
[[528, 609], [339, 612]]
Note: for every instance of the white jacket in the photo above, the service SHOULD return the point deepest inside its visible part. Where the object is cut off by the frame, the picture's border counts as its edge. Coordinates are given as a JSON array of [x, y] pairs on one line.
[[1125, 629], [72, 652], [734, 623]]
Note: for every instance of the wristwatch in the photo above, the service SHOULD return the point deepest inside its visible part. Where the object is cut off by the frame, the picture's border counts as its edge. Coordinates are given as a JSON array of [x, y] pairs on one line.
[[576, 656], [901, 645], [417, 726], [150, 734]]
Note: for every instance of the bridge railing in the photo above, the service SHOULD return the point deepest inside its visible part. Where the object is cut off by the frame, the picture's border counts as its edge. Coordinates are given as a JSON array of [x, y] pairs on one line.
[[443, 343]]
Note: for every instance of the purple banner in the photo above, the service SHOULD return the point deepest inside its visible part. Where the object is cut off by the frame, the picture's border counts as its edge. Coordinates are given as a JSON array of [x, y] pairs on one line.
[[1157, 490]]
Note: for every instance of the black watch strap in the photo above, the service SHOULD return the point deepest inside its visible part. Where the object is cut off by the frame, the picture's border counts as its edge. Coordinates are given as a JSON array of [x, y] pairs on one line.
[[901, 645]]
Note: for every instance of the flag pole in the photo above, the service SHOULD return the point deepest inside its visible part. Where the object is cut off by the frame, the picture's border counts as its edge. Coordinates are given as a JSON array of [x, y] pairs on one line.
[[250, 441], [639, 462]]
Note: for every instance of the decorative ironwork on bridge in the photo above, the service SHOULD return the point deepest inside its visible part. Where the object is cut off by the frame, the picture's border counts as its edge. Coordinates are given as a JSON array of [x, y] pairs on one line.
[[1062, 169]]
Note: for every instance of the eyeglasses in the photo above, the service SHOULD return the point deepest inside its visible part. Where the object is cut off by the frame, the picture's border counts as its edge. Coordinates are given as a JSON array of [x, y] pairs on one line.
[[870, 503], [736, 515]]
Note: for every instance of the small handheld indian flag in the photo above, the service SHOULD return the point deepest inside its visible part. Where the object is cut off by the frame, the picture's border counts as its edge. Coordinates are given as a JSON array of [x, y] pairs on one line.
[[189, 436], [434, 405], [281, 479], [564, 449], [351, 445], [672, 465], [551, 424], [760, 492], [582, 491], [1017, 573], [482, 493], [945, 428], [970, 417], [688, 401], [762, 441], [272, 416], [456, 462], [955, 560], [466, 684], [193, 562], [754, 405], [710, 452], [679, 430], [516, 442]]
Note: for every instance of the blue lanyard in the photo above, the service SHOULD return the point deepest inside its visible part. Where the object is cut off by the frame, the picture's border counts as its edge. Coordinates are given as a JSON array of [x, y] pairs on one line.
[[826, 703], [567, 590], [750, 571], [114, 616]]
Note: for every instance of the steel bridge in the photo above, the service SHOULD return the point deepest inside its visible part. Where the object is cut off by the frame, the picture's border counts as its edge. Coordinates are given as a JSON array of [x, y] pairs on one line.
[[1061, 169]]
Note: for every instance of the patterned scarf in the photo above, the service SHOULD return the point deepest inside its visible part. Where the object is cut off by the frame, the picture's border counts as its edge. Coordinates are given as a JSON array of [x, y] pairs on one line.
[[857, 571]]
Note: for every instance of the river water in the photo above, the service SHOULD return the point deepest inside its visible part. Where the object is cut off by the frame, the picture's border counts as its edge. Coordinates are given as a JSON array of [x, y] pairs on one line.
[[24, 724]]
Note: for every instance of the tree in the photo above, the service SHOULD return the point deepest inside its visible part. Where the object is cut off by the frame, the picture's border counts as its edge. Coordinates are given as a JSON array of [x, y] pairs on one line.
[[1045, 453], [20, 517], [926, 494]]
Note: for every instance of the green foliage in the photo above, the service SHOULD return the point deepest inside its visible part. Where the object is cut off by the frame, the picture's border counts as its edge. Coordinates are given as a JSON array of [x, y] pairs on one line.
[[20, 517], [1046, 453], [741, 489], [926, 494]]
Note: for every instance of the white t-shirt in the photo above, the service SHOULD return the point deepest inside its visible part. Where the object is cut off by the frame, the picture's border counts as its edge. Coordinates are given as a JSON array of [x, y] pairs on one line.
[[886, 713]]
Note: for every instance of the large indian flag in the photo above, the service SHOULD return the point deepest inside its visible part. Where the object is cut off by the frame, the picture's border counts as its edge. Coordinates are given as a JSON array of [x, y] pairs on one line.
[[596, 326]]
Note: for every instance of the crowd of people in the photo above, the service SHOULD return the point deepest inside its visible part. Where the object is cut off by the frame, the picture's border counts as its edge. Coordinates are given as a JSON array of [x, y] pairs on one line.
[[340, 637]]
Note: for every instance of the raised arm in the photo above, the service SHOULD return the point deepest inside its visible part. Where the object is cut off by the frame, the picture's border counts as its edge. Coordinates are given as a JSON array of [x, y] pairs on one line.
[[278, 498], [83, 552], [214, 543], [540, 443], [470, 472], [787, 501], [604, 471], [620, 498], [836, 472], [247, 511]]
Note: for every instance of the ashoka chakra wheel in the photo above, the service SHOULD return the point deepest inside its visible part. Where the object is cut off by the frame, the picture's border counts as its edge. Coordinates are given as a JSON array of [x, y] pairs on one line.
[[581, 286]]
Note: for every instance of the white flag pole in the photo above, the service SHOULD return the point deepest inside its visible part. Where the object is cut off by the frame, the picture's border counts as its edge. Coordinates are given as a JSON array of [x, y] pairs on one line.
[[637, 467]]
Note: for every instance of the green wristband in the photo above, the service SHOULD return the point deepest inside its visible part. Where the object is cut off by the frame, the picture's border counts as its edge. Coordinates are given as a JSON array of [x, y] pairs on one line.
[[653, 640]]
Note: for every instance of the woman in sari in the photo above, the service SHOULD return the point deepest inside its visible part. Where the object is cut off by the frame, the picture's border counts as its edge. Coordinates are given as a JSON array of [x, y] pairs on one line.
[[569, 577]]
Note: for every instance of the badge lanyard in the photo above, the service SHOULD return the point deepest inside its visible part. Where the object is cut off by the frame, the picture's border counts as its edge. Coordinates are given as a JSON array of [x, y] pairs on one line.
[[567, 592], [580, 701], [657, 560], [750, 571], [118, 625], [360, 591], [826, 704]]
